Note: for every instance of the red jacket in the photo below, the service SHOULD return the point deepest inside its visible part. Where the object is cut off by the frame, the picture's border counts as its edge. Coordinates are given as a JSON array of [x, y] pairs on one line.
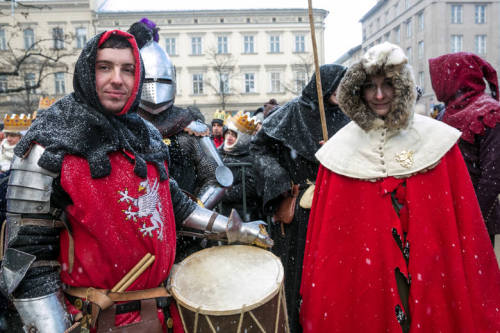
[[114, 222], [348, 280]]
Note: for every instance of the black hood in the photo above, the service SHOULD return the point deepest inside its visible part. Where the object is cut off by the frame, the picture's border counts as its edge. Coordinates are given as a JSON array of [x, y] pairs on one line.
[[77, 124], [331, 75], [297, 124]]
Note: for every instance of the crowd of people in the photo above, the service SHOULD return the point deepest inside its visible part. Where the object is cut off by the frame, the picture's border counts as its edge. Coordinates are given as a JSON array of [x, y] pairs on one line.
[[381, 228]]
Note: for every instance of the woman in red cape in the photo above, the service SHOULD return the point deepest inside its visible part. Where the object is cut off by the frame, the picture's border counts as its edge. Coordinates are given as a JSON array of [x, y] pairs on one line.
[[396, 241]]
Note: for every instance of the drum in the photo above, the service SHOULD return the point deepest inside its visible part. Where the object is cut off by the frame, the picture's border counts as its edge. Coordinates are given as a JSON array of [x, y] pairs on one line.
[[233, 288]]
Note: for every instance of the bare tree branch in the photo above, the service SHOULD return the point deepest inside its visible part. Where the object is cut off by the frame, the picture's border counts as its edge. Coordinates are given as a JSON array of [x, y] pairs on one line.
[[222, 65]]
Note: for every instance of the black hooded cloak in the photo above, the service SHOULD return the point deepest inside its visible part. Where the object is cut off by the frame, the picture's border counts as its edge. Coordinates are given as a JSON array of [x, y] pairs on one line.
[[284, 153]]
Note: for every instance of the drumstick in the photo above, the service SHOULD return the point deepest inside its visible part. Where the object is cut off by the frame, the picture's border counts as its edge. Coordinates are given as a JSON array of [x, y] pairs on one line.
[[131, 272], [137, 274]]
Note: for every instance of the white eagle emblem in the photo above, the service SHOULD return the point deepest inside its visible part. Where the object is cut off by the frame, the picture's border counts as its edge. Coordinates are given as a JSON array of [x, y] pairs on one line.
[[147, 204]]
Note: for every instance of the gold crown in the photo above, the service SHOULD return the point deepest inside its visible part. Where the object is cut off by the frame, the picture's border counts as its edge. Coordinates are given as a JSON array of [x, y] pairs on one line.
[[45, 102], [15, 123], [244, 123], [221, 114]]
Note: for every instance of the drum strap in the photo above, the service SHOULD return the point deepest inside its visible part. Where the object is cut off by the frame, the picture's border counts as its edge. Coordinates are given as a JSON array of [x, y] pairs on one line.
[[102, 299]]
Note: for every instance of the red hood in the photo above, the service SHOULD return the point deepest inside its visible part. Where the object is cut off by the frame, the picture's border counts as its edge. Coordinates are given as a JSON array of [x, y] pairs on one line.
[[459, 77], [135, 50]]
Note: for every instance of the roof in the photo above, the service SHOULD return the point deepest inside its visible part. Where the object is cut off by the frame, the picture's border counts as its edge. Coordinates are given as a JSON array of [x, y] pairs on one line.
[[373, 10]]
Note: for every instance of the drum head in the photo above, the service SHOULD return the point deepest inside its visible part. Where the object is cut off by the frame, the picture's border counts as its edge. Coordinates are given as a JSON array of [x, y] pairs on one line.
[[223, 280]]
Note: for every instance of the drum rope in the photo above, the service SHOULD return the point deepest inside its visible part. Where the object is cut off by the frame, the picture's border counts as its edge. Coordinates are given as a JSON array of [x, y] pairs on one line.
[[241, 318], [287, 327], [182, 316], [257, 322], [280, 294], [196, 319], [210, 324]]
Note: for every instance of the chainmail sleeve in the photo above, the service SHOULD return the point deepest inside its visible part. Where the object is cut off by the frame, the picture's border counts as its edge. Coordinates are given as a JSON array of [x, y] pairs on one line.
[[204, 165], [182, 205]]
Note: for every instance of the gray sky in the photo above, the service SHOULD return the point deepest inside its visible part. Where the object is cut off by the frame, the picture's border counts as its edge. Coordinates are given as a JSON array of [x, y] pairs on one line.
[[343, 30]]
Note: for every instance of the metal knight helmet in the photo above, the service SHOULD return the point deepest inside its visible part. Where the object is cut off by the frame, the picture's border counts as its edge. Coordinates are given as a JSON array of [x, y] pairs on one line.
[[158, 91]]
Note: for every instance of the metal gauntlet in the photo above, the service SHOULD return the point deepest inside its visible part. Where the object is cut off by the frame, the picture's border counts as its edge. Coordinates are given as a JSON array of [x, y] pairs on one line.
[[232, 229]]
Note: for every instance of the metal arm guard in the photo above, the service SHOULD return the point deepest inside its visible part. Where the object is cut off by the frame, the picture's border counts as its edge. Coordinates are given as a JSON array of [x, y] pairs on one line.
[[231, 229], [29, 269], [46, 314]]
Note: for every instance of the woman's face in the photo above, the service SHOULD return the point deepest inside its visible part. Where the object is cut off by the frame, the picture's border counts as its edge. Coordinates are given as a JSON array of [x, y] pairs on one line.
[[378, 93], [230, 138]]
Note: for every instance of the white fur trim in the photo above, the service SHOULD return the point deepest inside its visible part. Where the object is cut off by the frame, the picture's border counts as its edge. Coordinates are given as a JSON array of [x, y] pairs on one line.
[[385, 54], [355, 153]]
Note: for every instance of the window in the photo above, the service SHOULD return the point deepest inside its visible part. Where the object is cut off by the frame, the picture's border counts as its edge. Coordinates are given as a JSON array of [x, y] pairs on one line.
[[224, 83], [222, 45], [3, 83], [197, 84], [407, 4], [29, 81], [274, 44], [196, 45], [397, 35], [456, 43], [300, 81], [248, 44], [275, 82], [408, 29], [480, 17], [421, 50], [300, 43], [421, 79], [386, 17], [387, 36], [58, 37], [378, 23], [249, 82], [81, 37], [364, 35], [396, 9], [59, 83], [409, 55], [480, 44], [456, 14], [421, 21], [170, 46], [29, 38], [3, 40]]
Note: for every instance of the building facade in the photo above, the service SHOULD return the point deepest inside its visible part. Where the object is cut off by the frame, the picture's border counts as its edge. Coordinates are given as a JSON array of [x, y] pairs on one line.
[[224, 59], [428, 28], [39, 44]]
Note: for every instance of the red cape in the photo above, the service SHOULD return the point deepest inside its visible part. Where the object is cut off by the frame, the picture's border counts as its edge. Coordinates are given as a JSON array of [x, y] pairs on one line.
[[348, 279]]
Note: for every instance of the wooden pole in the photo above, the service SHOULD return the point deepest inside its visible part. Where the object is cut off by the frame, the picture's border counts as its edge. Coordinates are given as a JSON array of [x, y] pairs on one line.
[[319, 89]]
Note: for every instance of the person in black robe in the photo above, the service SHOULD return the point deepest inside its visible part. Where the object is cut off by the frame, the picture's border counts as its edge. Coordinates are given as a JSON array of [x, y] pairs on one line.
[[284, 151]]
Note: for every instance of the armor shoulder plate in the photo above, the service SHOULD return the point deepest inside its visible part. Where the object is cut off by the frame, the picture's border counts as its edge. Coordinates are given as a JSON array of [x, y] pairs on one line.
[[30, 185], [197, 128]]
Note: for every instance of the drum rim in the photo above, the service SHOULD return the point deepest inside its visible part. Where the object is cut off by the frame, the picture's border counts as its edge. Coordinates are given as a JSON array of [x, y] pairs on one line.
[[186, 303]]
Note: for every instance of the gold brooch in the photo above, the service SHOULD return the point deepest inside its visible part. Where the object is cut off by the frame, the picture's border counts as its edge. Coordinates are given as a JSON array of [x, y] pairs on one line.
[[405, 158], [167, 141]]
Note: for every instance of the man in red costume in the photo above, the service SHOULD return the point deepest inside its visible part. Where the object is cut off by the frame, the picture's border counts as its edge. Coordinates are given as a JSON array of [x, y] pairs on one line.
[[90, 195], [396, 241]]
